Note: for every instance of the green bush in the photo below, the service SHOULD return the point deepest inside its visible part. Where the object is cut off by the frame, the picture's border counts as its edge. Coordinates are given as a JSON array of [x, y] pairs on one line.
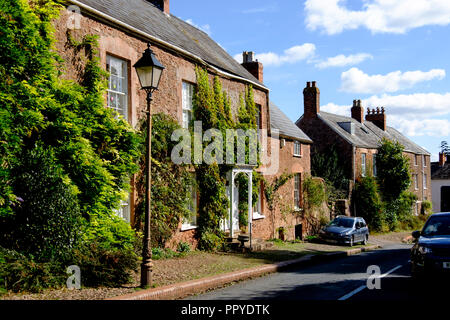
[[19, 273], [427, 207], [210, 241], [47, 223], [105, 267], [183, 247], [314, 193], [367, 202]]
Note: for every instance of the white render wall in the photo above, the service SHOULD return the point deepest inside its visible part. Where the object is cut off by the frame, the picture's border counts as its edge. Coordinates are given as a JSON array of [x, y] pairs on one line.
[[436, 193]]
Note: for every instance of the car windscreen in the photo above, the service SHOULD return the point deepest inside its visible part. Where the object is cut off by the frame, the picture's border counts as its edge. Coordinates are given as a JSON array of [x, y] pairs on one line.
[[342, 222], [437, 226]]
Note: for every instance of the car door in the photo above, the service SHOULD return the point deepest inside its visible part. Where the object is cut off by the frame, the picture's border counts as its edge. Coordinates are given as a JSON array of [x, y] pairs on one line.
[[359, 231], [364, 230]]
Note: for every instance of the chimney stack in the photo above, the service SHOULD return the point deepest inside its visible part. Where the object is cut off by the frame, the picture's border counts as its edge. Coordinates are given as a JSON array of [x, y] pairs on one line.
[[358, 111], [163, 5], [311, 100], [252, 65], [377, 117], [442, 159]]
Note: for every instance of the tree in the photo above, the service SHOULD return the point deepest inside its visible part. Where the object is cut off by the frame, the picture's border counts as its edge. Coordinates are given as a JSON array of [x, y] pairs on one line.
[[445, 149], [393, 170], [367, 202]]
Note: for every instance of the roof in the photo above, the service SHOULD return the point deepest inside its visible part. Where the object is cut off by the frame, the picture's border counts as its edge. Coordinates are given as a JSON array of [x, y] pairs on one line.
[[287, 128], [367, 134], [440, 173], [145, 17]]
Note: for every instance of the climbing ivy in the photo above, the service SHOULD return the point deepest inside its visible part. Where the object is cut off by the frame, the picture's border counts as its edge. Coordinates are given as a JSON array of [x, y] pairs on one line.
[[212, 107]]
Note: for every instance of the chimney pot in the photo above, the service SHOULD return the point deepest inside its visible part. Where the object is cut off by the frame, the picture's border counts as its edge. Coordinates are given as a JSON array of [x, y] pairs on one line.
[[311, 99], [377, 118], [357, 111], [252, 66]]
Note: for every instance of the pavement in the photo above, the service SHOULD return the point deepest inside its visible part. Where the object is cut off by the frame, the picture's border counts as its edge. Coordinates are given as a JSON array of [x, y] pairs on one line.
[[195, 287]]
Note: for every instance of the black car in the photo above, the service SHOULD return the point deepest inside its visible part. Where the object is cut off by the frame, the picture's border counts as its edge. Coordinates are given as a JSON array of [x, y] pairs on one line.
[[345, 230], [430, 254]]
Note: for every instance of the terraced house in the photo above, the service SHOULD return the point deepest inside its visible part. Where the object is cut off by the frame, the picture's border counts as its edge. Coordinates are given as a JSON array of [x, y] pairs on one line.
[[124, 29], [357, 139]]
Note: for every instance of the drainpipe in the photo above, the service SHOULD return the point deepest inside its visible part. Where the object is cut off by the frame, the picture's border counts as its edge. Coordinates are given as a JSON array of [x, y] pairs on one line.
[[354, 175]]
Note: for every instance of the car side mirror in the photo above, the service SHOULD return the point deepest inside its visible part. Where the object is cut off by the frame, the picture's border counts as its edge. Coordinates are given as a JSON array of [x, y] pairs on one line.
[[416, 234]]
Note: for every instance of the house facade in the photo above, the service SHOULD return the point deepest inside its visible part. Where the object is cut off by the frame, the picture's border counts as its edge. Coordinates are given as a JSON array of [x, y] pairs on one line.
[[124, 28], [357, 138], [440, 184]]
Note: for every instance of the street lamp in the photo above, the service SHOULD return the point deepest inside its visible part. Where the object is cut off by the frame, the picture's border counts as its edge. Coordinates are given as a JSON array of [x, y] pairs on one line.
[[149, 71]]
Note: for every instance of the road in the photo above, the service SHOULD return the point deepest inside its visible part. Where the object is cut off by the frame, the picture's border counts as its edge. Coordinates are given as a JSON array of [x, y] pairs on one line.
[[342, 279]]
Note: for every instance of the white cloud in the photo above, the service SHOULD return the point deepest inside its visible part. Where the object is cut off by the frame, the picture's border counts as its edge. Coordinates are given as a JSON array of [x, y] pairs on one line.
[[421, 127], [292, 55], [268, 8], [378, 16], [205, 28], [356, 81], [344, 61], [421, 114]]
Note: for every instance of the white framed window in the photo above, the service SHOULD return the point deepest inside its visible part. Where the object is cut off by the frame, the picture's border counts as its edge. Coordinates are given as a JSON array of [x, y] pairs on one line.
[[424, 161], [188, 96], [374, 165], [297, 149], [117, 85], [416, 160], [363, 164], [257, 207], [125, 210], [425, 181], [191, 222], [297, 191], [416, 182]]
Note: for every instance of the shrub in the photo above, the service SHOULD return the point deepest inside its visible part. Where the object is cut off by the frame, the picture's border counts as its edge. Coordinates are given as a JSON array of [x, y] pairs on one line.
[[426, 207], [104, 267], [183, 247], [314, 193], [210, 241], [19, 273], [367, 202], [48, 221]]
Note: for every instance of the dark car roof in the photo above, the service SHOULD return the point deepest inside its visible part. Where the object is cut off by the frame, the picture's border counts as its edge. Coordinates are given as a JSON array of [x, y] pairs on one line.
[[440, 214]]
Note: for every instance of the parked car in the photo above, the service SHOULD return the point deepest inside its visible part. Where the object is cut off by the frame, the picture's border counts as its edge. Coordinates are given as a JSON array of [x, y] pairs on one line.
[[431, 251], [345, 230]]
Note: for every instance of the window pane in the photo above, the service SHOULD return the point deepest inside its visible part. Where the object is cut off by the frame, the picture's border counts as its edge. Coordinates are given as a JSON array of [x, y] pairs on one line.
[[117, 98]]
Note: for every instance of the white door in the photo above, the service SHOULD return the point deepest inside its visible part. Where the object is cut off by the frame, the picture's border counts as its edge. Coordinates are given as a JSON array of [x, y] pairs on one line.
[[234, 221], [235, 209]]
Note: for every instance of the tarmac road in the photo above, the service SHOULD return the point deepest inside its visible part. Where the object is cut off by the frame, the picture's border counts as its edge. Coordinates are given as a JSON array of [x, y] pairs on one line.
[[342, 279]]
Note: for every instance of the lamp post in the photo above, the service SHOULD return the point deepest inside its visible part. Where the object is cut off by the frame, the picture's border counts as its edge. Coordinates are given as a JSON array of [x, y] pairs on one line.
[[149, 71]]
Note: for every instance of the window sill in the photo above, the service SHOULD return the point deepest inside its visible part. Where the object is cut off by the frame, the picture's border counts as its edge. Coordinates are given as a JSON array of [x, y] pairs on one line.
[[298, 209], [188, 228], [298, 156], [258, 217]]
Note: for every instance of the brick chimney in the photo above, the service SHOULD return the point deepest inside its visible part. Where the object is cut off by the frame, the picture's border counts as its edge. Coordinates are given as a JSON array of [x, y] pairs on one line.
[[442, 159], [252, 65], [163, 5], [311, 100], [377, 117], [358, 111]]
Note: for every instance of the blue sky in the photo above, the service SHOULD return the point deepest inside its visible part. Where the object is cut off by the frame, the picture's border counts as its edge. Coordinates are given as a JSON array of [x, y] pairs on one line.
[[387, 53]]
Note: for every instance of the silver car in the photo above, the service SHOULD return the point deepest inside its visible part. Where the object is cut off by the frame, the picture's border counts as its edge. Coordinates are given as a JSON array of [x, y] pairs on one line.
[[345, 230]]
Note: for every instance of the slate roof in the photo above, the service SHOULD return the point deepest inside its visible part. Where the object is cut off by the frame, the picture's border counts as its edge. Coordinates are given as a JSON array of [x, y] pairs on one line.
[[367, 134], [440, 173], [147, 18], [287, 128]]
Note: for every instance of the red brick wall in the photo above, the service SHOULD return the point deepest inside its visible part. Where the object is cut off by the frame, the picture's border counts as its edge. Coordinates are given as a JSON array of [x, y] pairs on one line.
[[168, 98]]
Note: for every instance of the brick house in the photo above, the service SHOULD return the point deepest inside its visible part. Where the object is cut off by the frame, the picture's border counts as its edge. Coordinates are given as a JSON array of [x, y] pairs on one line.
[[124, 29], [357, 139], [440, 184]]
